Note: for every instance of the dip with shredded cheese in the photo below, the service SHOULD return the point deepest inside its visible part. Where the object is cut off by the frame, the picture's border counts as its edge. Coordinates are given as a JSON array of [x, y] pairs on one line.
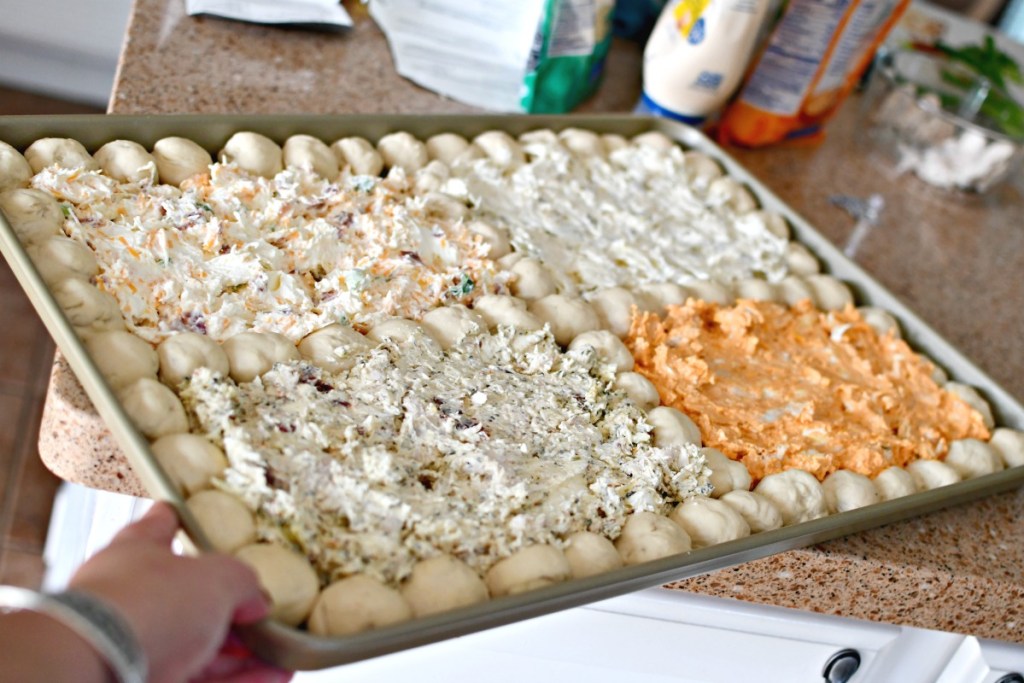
[[499, 442]]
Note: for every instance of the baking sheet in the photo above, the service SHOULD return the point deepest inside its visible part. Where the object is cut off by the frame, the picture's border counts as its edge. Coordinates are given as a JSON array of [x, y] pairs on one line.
[[297, 649]]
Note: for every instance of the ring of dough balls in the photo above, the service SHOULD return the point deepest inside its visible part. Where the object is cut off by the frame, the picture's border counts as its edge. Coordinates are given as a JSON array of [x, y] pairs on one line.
[[34, 215], [608, 347], [61, 152], [14, 168], [568, 317], [310, 153], [730, 193], [448, 325], [286, 576], [590, 554], [880, 320], [672, 427], [894, 482], [154, 409], [227, 524], [334, 348], [655, 140], [1009, 444], [758, 512], [971, 397], [446, 147], [496, 239], [614, 307], [726, 474], [639, 389], [829, 293], [431, 177], [755, 289], [356, 604], [932, 474], [701, 169], [848, 490], [189, 461], [254, 153], [793, 289], [664, 294], [88, 309], [774, 223], [401, 330], [250, 354], [61, 258], [582, 142], [532, 279], [501, 148], [183, 353], [534, 566], [359, 155], [178, 159], [797, 494], [127, 161], [708, 521], [403, 150], [713, 292], [800, 260], [613, 142], [442, 583], [502, 309], [648, 536], [973, 458], [121, 357]]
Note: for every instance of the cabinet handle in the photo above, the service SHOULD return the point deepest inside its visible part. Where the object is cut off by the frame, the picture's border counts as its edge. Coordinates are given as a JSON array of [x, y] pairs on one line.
[[841, 666]]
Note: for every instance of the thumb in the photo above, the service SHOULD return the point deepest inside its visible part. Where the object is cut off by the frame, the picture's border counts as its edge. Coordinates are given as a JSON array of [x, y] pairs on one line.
[[158, 525]]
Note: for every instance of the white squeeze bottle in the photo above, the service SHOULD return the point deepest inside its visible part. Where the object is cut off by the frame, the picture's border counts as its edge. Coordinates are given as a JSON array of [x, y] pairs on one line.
[[697, 54]]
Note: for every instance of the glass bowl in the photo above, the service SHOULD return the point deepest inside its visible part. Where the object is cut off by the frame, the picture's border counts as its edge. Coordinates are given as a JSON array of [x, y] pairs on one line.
[[951, 127]]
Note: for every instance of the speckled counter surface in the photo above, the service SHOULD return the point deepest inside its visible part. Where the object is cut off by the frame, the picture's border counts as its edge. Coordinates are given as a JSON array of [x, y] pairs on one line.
[[955, 261]]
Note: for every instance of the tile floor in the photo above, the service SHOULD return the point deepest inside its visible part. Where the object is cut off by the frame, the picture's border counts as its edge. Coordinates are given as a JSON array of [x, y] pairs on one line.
[[26, 351]]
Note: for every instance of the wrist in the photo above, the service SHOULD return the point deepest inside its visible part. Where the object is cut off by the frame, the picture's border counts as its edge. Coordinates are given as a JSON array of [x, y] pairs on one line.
[[37, 647]]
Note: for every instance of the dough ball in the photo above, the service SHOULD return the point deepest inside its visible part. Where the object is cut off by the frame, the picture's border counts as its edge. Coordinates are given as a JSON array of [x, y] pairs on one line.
[[639, 389], [153, 408], [829, 293], [534, 566], [61, 258], [183, 353], [971, 397], [714, 292], [568, 317], [401, 331], [356, 604], [178, 159], [590, 554], [34, 215], [254, 153], [250, 354], [797, 495], [848, 490], [672, 427], [708, 521], [88, 309], [127, 161], [446, 147], [726, 474], [431, 178], [608, 347], [224, 519], [359, 155], [730, 193], [404, 151], [189, 460], [655, 140], [442, 583], [648, 536], [532, 279], [932, 474], [665, 294], [62, 152], [613, 142], [121, 357], [614, 307], [939, 375], [14, 169], [308, 152], [793, 289], [501, 309], [287, 577], [880, 320], [545, 137], [701, 169], [449, 324], [758, 512], [443, 207], [496, 239], [1009, 445], [800, 259], [582, 142], [501, 148], [973, 458], [894, 482], [334, 348], [756, 290], [774, 222]]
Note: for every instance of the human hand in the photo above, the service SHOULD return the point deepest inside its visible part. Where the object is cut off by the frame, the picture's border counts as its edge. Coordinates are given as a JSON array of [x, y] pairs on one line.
[[181, 608]]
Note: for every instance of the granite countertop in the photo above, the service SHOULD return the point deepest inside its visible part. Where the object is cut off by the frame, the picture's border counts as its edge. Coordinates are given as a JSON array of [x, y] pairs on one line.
[[954, 260]]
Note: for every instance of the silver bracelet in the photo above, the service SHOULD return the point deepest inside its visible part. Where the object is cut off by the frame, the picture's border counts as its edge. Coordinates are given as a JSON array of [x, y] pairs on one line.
[[103, 628]]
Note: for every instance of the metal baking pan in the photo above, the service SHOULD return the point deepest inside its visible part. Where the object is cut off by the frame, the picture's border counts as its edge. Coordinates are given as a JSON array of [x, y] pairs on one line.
[[297, 649]]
